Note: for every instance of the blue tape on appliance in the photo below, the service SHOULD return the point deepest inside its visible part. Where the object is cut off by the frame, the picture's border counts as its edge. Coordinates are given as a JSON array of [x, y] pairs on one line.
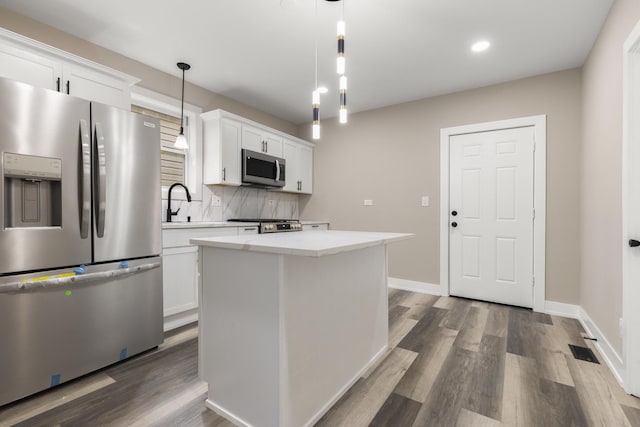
[[124, 264], [123, 353], [80, 270], [55, 380]]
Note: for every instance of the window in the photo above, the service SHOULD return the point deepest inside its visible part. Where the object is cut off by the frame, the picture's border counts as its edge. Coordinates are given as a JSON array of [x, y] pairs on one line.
[[190, 159], [172, 160]]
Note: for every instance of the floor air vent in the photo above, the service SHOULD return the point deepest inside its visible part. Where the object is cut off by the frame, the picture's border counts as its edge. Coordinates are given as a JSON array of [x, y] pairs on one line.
[[583, 353]]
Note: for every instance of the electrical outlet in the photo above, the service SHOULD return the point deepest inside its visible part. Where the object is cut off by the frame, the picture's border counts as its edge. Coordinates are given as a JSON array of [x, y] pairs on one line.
[[272, 202], [368, 202], [216, 201], [425, 201]]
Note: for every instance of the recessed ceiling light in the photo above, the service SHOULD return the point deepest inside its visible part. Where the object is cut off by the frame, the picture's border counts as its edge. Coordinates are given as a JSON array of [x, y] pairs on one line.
[[480, 46]]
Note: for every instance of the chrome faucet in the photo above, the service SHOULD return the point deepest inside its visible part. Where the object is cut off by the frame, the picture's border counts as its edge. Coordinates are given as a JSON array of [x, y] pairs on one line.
[[171, 213]]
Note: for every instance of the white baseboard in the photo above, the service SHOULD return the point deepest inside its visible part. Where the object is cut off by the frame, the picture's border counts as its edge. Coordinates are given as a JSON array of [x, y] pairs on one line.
[[180, 319], [413, 286], [561, 309], [611, 357]]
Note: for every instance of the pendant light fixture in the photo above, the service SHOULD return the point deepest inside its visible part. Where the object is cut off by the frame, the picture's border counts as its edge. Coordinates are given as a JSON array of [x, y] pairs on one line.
[[341, 66], [181, 140], [315, 95], [343, 99], [340, 63]]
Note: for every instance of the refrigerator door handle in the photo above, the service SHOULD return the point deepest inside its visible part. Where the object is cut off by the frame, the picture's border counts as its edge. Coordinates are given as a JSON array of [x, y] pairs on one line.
[[85, 180], [66, 280], [100, 181]]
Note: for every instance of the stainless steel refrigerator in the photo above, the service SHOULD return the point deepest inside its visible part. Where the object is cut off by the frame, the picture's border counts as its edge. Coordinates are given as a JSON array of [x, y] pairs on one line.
[[80, 237]]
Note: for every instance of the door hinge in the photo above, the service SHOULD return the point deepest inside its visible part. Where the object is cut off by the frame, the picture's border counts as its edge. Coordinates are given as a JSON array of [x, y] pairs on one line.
[[533, 280], [534, 144], [533, 214]]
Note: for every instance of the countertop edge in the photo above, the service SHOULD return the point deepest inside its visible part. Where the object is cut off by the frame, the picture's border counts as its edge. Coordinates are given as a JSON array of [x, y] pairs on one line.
[[214, 242]]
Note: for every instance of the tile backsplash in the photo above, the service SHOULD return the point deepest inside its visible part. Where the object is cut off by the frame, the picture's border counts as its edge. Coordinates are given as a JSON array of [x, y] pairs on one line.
[[235, 202]]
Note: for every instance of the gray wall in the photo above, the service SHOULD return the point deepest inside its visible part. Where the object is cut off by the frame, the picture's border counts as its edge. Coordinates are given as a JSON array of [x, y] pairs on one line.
[[151, 78], [601, 191], [392, 156]]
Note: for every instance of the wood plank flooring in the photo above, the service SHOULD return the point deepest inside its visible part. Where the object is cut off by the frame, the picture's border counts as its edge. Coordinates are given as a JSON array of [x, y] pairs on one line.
[[452, 362]]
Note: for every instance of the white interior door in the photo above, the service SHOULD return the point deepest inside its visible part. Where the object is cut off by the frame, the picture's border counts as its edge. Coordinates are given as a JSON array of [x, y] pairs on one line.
[[491, 216]]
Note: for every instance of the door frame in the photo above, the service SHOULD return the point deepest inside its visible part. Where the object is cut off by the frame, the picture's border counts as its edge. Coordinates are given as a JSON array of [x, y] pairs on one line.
[[539, 124], [630, 222]]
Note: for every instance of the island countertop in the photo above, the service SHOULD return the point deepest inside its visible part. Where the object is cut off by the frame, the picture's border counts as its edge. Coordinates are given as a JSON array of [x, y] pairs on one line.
[[302, 243]]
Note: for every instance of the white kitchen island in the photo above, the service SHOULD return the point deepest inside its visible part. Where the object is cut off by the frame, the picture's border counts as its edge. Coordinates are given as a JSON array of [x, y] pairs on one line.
[[289, 321]]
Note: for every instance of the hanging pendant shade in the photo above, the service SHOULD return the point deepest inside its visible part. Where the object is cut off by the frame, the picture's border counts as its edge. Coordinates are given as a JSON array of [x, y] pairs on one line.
[[181, 140]]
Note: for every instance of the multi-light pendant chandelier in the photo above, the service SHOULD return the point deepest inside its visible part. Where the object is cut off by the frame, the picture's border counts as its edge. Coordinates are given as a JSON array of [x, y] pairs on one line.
[[340, 68]]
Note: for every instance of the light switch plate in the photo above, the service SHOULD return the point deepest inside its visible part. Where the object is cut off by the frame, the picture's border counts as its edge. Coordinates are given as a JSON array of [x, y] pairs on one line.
[[368, 202], [425, 201]]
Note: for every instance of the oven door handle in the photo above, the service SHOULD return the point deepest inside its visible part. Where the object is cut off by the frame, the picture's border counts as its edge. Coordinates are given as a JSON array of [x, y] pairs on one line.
[[277, 170]]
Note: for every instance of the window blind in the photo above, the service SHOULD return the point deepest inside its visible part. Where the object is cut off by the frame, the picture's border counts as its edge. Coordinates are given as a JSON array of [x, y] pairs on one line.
[[172, 160]]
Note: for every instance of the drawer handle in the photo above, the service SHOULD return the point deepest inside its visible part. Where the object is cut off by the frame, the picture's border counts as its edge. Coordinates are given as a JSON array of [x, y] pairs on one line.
[[250, 229]]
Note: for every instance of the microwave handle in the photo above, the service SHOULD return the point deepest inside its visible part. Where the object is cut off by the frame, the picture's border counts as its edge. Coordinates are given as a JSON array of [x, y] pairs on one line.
[[277, 170]]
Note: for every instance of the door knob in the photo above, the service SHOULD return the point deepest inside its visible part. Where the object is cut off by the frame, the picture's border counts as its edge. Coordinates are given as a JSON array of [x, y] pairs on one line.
[[454, 213], [634, 243], [454, 224]]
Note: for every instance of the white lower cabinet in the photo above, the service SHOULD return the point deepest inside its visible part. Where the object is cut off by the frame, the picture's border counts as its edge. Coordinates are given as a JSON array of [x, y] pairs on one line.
[[180, 271]]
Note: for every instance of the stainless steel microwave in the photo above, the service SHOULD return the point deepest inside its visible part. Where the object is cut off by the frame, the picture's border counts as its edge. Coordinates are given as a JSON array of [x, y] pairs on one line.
[[261, 169]]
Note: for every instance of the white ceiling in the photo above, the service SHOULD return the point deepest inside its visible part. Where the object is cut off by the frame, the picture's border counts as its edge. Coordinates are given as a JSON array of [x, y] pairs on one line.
[[261, 52]]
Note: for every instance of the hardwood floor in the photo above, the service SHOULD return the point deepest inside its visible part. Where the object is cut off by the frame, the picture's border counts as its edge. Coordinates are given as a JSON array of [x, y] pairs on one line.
[[452, 362]]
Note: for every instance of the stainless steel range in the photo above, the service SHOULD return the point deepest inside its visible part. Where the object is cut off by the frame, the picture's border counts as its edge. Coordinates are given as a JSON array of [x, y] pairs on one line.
[[273, 225]]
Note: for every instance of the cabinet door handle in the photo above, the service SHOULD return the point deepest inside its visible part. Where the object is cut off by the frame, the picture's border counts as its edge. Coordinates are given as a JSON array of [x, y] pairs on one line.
[[224, 174], [58, 84], [250, 229], [315, 226], [68, 87], [266, 146]]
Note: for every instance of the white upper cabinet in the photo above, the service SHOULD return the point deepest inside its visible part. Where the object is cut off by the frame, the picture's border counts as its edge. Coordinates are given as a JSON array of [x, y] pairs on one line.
[[299, 167], [47, 67], [95, 85], [305, 168], [37, 70], [226, 134], [222, 144], [261, 140]]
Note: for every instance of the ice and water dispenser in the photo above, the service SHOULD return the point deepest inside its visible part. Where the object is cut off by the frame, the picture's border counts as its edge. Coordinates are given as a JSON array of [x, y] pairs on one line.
[[32, 191]]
